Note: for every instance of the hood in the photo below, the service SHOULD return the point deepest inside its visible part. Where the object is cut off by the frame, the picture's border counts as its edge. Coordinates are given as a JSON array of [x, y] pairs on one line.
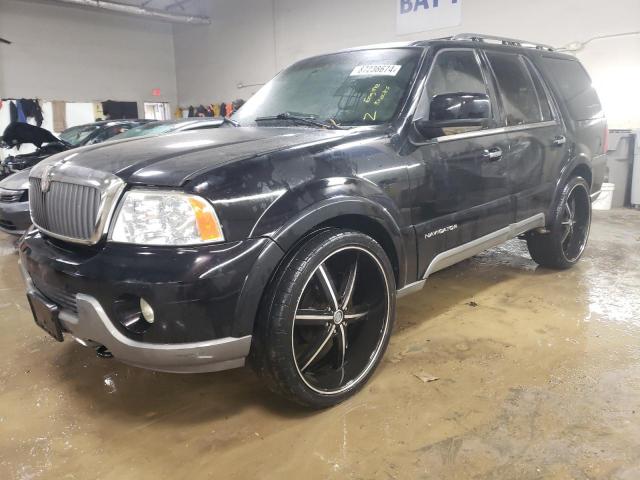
[[29, 159], [172, 160], [17, 181], [18, 133]]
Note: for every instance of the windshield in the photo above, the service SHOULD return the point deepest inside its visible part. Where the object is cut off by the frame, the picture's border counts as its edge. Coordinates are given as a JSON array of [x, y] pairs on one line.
[[149, 129], [364, 87], [76, 135]]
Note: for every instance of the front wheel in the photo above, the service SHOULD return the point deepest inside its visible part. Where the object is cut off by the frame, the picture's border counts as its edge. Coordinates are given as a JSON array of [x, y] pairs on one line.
[[326, 319], [563, 246]]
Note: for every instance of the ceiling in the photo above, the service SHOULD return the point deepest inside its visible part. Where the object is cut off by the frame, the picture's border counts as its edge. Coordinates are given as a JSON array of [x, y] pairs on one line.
[[183, 11], [183, 7]]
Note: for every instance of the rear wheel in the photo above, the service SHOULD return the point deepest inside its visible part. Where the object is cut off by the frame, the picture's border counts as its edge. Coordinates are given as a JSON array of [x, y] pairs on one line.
[[563, 246], [327, 319]]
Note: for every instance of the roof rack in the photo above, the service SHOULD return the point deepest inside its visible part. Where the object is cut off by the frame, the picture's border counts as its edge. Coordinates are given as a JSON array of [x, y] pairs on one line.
[[512, 42]]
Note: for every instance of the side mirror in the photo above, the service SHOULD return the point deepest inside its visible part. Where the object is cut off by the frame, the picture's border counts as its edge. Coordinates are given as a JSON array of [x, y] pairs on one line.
[[455, 110]]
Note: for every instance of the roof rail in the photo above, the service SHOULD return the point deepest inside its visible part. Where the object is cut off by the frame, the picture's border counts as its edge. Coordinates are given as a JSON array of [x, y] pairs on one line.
[[512, 42]]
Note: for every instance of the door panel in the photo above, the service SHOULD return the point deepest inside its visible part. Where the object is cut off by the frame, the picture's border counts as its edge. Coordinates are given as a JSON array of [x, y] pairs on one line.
[[460, 182], [537, 145], [459, 193], [534, 166]]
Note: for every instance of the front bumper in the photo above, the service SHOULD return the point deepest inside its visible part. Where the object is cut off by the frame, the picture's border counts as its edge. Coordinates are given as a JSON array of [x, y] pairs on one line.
[[14, 217], [92, 327], [205, 298]]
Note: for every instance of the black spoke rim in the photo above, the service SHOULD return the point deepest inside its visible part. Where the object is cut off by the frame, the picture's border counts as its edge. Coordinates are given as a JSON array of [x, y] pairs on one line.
[[575, 223], [341, 320]]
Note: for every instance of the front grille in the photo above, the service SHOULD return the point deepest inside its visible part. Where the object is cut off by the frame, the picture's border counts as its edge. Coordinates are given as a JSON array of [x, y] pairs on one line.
[[66, 209], [62, 298], [12, 196]]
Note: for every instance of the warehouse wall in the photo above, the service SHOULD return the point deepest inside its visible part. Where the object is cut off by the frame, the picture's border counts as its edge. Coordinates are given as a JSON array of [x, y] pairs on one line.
[[250, 40], [238, 46], [75, 54]]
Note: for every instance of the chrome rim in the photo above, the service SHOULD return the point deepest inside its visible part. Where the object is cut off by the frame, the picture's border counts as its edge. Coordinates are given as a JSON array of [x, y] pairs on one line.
[[341, 320], [575, 223]]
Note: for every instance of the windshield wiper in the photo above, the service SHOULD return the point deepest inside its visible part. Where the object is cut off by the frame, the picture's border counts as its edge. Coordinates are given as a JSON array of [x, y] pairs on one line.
[[230, 122], [301, 119]]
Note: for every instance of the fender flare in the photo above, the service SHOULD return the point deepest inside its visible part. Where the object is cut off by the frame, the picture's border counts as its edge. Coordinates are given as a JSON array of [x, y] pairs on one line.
[[286, 237], [305, 207], [565, 173]]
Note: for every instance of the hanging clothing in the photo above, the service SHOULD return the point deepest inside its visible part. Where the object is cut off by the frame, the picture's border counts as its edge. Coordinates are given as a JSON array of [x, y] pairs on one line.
[[16, 112], [21, 117], [192, 111], [13, 112], [117, 110], [177, 113], [229, 110], [31, 109], [59, 109], [215, 109], [223, 109]]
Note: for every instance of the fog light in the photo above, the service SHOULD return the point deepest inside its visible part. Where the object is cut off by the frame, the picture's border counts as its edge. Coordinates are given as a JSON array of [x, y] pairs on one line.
[[147, 311]]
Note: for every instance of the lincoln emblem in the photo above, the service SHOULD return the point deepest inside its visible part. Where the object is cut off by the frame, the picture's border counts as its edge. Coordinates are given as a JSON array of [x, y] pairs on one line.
[[46, 178]]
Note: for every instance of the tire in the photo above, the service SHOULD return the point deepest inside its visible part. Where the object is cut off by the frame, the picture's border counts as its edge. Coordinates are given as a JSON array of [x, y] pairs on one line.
[[563, 246], [317, 348]]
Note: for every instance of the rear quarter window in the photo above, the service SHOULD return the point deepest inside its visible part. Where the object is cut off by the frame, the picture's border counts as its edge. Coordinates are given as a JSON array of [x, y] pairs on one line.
[[573, 84]]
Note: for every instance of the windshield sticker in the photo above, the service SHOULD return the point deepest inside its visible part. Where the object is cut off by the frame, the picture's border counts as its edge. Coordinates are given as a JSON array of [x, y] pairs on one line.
[[386, 70], [377, 94], [368, 116]]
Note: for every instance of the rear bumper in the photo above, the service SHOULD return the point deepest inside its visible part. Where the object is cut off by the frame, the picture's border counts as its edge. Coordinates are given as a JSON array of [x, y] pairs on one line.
[[14, 217], [92, 327]]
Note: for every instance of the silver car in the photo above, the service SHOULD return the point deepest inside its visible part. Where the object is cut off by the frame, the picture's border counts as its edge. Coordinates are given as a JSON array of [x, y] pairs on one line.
[[14, 203]]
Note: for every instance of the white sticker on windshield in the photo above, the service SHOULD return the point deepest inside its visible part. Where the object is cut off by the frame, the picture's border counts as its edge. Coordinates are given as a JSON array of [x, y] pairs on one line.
[[382, 70]]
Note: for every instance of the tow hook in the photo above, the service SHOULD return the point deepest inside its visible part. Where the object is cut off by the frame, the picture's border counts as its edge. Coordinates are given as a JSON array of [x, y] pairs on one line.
[[103, 352]]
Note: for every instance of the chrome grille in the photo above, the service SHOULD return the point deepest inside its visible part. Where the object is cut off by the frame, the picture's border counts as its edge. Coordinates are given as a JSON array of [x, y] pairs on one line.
[[11, 196], [67, 209]]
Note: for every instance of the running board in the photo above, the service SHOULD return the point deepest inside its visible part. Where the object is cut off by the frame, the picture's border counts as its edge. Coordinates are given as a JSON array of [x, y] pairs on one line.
[[462, 252]]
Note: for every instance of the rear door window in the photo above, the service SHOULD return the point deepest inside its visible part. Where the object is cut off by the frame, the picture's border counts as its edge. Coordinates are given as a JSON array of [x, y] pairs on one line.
[[517, 90], [571, 81], [543, 98]]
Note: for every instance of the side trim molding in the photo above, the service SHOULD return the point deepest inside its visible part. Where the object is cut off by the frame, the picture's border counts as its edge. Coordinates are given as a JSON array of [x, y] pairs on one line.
[[411, 288], [462, 252]]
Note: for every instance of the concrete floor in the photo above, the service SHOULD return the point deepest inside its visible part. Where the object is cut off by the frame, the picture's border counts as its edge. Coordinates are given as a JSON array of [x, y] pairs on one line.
[[538, 376]]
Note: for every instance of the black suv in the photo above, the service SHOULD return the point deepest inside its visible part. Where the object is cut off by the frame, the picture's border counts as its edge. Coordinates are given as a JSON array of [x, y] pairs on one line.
[[286, 235]]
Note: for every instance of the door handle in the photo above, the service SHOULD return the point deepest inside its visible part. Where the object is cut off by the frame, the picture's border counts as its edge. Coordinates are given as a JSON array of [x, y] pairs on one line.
[[492, 154], [559, 140]]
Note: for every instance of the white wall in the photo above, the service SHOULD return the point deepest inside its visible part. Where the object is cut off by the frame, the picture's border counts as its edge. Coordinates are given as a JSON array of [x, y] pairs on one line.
[[236, 47], [250, 40], [75, 54]]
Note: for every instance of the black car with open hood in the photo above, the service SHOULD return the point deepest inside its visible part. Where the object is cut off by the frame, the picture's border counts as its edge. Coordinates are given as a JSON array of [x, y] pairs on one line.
[[47, 144]]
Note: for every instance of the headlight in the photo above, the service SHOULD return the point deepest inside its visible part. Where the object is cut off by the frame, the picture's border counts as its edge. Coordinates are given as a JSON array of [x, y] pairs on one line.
[[155, 217]]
